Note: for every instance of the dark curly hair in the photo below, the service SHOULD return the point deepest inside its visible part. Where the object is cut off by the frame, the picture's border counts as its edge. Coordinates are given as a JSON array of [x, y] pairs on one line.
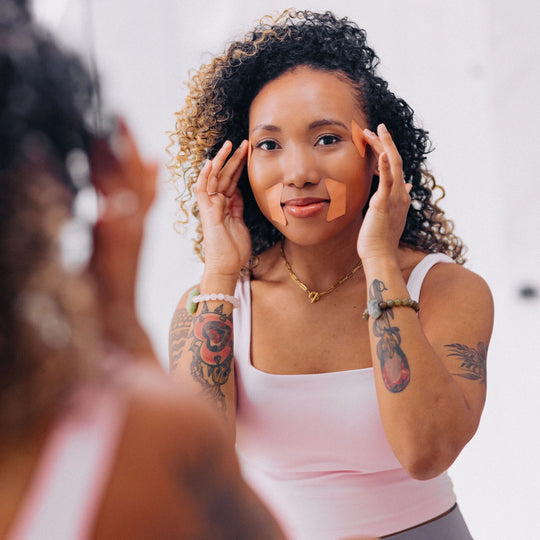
[[220, 95], [47, 328]]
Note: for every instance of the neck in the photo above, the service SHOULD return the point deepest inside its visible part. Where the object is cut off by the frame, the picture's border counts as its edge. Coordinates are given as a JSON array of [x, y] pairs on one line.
[[320, 266]]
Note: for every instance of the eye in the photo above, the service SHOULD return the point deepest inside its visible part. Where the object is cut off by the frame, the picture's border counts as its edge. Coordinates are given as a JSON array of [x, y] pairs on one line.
[[327, 140], [268, 145]]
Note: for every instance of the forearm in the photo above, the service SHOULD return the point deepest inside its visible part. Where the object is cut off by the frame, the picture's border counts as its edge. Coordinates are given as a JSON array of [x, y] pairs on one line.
[[201, 348], [424, 412]]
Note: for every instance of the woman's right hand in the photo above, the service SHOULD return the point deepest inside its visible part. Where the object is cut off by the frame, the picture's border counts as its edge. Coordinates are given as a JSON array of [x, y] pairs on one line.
[[227, 242]]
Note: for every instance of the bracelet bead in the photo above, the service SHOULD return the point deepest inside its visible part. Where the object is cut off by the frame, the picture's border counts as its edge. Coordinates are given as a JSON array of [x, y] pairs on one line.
[[194, 298], [375, 309]]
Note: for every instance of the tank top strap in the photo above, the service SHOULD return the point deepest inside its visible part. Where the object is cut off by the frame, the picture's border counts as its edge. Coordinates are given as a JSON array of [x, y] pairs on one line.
[[65, 495], [414, 285], [242, 321]]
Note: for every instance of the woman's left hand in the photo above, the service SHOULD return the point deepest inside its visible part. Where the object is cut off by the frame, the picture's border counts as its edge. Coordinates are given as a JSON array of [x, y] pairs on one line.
[[385, 219], [126, 186]]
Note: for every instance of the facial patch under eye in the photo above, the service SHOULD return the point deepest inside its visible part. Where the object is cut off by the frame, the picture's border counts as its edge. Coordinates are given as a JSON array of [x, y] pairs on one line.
[[338, 199], [358, 138], [273, 197]]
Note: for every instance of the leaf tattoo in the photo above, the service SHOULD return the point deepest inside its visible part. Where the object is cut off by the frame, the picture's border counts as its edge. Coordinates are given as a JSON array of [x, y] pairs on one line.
[[473, 361]]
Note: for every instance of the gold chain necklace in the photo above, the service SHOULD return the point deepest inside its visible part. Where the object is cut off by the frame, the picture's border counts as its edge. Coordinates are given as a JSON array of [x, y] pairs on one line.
[[315, 296]]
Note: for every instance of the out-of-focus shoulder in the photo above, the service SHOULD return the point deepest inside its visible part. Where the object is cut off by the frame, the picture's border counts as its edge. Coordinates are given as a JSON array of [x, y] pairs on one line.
[[158, 400]]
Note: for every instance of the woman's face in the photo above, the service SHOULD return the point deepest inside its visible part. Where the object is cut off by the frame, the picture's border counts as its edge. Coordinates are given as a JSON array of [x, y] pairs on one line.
[[308, 175]]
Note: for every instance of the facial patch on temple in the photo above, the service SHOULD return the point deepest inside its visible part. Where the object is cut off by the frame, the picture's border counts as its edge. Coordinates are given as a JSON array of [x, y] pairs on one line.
[[273, 197], [338, 199], [250, 149], [358, 138]]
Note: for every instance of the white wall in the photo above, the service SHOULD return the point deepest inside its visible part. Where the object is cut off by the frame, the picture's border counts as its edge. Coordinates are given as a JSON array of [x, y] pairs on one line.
[[470, 70]]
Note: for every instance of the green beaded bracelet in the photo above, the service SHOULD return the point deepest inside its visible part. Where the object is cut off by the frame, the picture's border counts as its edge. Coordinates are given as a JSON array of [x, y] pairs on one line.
[[375, 308]]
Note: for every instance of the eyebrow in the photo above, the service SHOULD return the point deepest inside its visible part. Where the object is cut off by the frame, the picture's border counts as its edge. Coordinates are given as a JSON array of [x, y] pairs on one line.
[[314, 125]]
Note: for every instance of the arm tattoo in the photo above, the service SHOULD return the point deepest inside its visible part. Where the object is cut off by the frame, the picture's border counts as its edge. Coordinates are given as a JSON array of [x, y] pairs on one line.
[[178, 335], [473, 361], [394, 365], [212, 348]]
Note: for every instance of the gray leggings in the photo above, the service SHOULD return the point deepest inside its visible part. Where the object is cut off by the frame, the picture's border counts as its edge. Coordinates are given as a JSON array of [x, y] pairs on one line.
[[450, 527]]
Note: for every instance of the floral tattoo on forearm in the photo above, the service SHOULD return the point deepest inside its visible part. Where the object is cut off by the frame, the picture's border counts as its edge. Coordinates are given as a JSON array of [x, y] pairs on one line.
[[394, 365], [473, 361], [212, 348]]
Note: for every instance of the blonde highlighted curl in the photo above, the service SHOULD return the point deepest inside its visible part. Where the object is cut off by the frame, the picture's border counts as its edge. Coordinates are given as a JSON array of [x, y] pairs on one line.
[[217, 108]]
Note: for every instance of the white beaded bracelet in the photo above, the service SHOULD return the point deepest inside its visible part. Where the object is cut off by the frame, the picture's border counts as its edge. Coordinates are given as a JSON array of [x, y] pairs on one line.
[[194, 298]]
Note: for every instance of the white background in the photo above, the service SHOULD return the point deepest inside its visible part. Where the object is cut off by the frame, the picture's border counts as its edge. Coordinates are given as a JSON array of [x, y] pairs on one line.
[[470, 70]]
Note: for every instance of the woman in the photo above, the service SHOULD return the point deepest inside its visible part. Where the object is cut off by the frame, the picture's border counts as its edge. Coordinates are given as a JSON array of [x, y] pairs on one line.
[[95, 440], [359, 344]]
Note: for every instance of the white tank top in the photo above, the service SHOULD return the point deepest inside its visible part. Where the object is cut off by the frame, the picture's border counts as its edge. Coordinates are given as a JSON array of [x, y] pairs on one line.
[[313, 446]]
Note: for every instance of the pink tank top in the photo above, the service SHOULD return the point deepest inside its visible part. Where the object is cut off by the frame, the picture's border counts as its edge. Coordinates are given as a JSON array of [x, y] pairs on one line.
[[314, 448], [66, 491]]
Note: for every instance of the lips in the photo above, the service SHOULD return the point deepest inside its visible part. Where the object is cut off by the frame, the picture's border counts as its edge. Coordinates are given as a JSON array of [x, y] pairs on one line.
[[305, 207]]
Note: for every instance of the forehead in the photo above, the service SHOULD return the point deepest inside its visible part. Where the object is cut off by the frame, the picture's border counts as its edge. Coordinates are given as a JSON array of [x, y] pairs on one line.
[[305, 91]]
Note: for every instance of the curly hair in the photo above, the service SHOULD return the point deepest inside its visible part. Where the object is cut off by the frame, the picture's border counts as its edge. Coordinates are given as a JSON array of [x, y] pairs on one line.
[[47, 325], [220, 95]]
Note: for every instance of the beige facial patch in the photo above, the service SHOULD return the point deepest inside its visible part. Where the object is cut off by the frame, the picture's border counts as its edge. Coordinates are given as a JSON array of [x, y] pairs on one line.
[[358, 138], [338, 199], [273, 197], [250, 149]]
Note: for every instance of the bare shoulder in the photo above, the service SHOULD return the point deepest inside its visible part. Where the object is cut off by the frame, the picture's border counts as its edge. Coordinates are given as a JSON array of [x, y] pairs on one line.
[[461, 298], [176, 467], [451, 279]]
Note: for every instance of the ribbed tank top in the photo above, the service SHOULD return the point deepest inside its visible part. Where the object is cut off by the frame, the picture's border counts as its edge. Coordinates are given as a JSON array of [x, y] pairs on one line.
[[313, 446]]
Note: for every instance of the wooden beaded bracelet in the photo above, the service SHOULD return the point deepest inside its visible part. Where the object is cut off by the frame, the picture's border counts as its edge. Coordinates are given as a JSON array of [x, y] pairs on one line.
[[375, 308]]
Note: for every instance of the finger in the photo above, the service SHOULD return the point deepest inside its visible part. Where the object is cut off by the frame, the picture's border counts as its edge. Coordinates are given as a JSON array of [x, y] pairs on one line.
[[104, 165], [221, 157], [124, 145], [237, 205], [234, 167], [374, 142], [202, 180], [212, 184], [396, 163], [386, 179], [217, 165]]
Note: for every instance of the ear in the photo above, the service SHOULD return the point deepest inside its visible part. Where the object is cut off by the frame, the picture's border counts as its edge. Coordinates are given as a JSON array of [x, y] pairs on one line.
[[358, 138]]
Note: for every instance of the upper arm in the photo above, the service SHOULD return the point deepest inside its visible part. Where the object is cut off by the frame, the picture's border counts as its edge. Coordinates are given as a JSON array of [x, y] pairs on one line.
[[457, 318], [208, 472], [178, 331]]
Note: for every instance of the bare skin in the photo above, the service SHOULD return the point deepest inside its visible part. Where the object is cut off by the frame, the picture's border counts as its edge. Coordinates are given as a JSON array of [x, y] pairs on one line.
[[418, 360], [175, 474]]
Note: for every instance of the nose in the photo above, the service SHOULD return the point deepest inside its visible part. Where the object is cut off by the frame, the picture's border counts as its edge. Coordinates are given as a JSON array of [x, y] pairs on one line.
[[299, 167]]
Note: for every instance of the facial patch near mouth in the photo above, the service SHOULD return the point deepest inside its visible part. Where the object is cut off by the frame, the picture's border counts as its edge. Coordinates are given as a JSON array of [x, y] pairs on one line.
[[358, 138], [273, 197], [338, 199]]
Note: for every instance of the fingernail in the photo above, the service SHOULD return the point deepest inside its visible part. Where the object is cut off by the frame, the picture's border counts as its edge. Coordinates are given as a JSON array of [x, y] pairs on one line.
[[383, 128], [368, 132]]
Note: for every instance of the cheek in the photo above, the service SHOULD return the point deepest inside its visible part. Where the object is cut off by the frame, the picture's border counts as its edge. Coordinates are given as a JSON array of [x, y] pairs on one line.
[[267, 191]]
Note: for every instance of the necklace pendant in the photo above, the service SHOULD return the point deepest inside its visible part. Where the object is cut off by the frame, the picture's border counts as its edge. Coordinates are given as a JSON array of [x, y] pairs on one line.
[[314, 296]]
